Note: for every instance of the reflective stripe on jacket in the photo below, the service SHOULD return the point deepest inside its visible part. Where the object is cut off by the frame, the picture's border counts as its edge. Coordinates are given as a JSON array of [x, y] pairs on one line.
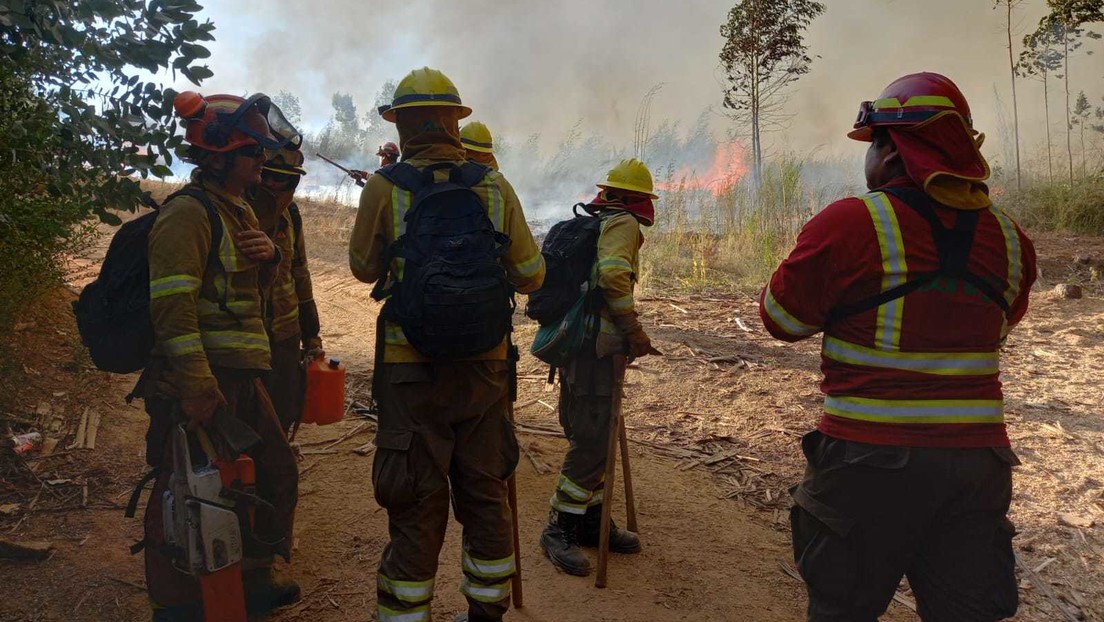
[[921, 370]]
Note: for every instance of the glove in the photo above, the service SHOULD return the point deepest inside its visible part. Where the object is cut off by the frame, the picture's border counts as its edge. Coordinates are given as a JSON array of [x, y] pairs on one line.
[[312, 351], [200, 409], [639, 342]]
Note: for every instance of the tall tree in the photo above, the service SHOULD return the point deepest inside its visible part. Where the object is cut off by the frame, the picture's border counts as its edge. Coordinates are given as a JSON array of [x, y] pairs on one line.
[[764, 52], [1008, 5], [1082, 112], [1039, 59], [1070, 16]]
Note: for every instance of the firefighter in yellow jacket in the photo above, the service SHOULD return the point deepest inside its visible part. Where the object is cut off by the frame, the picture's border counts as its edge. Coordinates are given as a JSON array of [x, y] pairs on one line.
[[586, 384], [477, 141], [441, 422], [292, 318], [211, 344]]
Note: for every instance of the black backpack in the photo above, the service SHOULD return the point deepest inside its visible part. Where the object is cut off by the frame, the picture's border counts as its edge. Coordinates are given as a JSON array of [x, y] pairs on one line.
[[454, 299], [569, 250], [113, 312]]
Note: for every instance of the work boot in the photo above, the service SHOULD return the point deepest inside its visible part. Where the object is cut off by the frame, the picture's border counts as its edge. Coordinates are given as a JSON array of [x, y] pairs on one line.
[[621, 540], [181, 613], [560, 542], [264, 591]]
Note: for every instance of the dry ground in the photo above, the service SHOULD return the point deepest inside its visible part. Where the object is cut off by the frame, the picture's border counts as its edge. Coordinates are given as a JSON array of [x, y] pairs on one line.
[[715, 423]]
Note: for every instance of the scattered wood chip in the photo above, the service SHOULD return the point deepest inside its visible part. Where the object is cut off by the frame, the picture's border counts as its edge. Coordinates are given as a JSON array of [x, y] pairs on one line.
[[25, 550], [93, 430], [7, 509], [1076, 520]]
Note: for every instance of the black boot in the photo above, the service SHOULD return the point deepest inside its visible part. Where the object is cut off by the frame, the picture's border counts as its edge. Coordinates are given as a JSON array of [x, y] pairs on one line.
[[621, 540], [264, 591], [182, 613], [464, 616], [560, 541]]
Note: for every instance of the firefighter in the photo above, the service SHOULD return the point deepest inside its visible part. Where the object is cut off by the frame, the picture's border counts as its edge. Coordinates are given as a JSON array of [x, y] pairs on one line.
[[211, 343], [388, 154], [624, 204], [441, 422], [292, 319], [915, 286], [478, 143]]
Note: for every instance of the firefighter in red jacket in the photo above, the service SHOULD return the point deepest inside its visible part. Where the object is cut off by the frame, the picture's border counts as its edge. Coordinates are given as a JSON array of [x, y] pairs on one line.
[[915, 287]]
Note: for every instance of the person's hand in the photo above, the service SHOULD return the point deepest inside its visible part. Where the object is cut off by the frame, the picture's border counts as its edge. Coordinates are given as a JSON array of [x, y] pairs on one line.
[[312, 352], [256, 245], [200, 409], [640, 344]]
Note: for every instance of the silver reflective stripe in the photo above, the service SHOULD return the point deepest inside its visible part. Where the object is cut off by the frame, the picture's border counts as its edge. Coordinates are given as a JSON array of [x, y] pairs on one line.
[[938, 363], [564, 506], [915, 411], [572, 489], [894, 268], [407, 591], [184, 344], [1012, 249], [485, 593], [172, 285], [233, 339], [784, 319], [419, 614], [489, 569]]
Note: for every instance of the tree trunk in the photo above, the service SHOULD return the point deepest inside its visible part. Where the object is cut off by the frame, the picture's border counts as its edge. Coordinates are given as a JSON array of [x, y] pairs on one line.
[[1084, 162], [1065, 76], [1015, 103], [1046, 115]]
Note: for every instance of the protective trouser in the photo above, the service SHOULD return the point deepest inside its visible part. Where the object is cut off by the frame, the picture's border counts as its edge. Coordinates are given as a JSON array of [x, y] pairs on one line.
[[285, 383], [443, 423], [277, 476], [866, 515], [586, 387]]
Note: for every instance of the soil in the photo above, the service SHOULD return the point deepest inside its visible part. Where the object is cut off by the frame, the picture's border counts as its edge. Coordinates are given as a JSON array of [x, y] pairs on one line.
[[715, 425]]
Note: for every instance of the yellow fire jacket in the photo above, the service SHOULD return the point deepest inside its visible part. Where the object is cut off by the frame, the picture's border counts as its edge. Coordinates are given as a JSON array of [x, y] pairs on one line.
[[617, 265], [291, 311], [380, 219], [202, 316]]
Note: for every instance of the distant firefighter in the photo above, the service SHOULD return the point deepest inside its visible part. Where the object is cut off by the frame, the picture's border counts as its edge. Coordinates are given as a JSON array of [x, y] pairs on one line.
[[477, 141], [388, 154]]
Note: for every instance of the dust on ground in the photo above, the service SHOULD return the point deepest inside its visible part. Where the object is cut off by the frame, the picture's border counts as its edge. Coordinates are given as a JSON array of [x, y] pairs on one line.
[[715, 425]]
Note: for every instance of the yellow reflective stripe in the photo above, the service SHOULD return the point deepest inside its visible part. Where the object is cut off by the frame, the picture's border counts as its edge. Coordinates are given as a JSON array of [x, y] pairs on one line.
[[614, 262], [489, 568], [485, 593], [172, 285], [400, 205], [915, 100], [566, 506], [887, 334], [915, 411], [571, 489], [184, 344], [621, 305], [234, 340], [530, 266], [1015, 256], [417, 614], [938, 363], [495, 205], [784, 319], [393, 335], [406, 591], [227, 253], [599, 496]]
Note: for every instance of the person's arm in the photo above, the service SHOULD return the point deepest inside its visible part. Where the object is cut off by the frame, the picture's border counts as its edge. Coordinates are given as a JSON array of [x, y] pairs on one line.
[[368, 242], [617, 244], [1028, 263], [523, 260], [309, 323]]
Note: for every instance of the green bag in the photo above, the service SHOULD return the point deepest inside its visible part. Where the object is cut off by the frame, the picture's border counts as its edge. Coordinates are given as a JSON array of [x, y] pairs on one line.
[[559, 342]]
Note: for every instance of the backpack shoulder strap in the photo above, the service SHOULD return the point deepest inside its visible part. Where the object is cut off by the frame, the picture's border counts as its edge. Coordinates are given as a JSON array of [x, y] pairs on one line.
[[469, 174], [296, 219], [198, 194], [404, 175]]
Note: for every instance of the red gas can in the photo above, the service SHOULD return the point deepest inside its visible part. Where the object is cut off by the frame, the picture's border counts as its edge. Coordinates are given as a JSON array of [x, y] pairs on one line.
[[325, 400]]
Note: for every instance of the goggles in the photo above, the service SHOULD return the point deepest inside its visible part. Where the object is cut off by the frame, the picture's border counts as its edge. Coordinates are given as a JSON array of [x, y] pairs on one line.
[[280, 132], [870, 116]]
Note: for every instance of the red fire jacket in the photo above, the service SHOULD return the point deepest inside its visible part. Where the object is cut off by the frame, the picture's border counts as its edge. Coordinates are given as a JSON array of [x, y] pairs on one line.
[[922, 370]]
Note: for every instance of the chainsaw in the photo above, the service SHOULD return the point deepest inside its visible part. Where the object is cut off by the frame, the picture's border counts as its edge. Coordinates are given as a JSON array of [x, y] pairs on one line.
[[202, 525]]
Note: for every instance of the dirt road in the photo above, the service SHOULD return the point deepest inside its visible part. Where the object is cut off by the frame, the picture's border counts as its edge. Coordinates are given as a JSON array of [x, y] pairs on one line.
[[715, 423]]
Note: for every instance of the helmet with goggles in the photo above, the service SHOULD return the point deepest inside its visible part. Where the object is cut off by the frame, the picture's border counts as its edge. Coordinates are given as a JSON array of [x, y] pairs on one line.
[[223, 123], [912, 100]]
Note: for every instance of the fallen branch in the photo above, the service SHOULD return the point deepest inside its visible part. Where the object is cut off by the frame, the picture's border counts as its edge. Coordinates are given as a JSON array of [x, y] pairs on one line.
[[137, 586], [1044, 589], [349, 434]]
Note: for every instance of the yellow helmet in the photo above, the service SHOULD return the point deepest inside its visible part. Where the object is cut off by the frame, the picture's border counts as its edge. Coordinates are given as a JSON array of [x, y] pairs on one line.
[[285, 162], [424, 87], [476, 137], [631, 175]]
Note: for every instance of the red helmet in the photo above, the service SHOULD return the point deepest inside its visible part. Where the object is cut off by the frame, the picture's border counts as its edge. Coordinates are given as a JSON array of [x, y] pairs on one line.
[[224, 123], [914, 99], [388, 149]]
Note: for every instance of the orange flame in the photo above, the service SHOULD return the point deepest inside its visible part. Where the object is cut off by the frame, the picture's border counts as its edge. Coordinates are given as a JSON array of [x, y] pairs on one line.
[[725, 171]]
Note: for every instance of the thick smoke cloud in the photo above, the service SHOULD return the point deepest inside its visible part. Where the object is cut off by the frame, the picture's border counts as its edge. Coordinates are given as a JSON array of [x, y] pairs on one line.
[[539, 67]]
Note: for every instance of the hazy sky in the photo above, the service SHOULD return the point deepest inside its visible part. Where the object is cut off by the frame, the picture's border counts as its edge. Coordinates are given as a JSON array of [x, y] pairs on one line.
[[542, 66]]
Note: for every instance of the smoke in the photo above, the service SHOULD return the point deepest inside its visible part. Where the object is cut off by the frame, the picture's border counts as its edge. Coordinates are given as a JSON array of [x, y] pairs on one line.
[[541, 74]]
